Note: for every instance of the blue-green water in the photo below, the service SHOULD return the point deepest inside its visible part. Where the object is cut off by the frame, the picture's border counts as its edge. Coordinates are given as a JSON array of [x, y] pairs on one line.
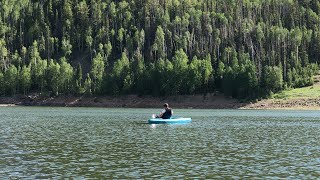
[[38, 142]]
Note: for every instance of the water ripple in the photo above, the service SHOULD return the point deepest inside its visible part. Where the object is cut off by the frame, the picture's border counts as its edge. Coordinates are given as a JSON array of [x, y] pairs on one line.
[[117, 144]]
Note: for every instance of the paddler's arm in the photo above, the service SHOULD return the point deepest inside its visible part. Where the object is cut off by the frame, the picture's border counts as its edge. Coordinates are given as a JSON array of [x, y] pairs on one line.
[[161, 113]]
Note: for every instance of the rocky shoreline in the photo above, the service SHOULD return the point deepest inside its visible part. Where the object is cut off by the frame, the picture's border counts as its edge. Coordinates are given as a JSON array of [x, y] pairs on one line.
[[134, 101], [127, 101]]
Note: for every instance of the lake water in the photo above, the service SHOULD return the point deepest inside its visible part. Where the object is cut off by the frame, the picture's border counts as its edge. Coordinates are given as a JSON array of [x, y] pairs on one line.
[[81, 143]]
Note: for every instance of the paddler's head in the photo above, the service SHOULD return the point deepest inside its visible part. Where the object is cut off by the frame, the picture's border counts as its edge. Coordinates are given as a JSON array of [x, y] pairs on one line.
[[166, 105]]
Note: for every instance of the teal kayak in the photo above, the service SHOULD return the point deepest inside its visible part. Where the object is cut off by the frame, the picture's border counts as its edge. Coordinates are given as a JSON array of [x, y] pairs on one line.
[[169, 121]]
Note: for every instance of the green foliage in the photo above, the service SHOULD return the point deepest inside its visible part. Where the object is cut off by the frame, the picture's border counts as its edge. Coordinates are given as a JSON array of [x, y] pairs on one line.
[[240, 81], [163, 73], [234, 46], [3, 54], [38, 67], [194, 75], [272, 79], [2, 83], [206, 69], [247, 81], [11, 79], [25, 79], [77, 81], [97, 71], [179, 74], [66, 74], [66, 47], [87, 85], [53, 76], [158, 45], [138, 68], [120, 79]]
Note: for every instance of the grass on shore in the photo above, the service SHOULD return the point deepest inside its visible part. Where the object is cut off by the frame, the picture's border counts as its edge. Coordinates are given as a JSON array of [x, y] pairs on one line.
[[298, 93]]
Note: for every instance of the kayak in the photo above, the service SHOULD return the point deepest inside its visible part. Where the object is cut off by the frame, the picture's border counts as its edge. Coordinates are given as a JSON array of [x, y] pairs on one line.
[[168, 121]]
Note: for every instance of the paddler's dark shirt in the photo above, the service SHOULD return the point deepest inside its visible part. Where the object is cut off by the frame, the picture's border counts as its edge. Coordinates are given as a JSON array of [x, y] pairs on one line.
[[167, 114]]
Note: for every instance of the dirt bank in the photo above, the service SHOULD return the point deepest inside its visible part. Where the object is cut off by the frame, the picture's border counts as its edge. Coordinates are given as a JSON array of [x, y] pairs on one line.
[[128, 101], [134, 101]]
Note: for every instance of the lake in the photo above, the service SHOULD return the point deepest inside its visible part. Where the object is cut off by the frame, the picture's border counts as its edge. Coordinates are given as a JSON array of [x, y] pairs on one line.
[[81, 143]]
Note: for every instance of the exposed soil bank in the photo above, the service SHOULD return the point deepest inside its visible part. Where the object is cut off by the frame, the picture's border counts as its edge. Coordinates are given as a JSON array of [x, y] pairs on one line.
[[128, 101], [134, 101]]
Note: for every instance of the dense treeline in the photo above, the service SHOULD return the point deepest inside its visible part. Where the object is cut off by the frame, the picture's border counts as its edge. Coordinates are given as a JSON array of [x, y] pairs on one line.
[[244, 48]]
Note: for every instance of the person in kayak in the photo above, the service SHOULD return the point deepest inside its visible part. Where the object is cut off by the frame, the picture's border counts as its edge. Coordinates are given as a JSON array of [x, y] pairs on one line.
[[166, 113]]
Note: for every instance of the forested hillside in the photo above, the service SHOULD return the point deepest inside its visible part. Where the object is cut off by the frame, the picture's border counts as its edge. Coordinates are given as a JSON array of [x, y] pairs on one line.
[[243, 48]]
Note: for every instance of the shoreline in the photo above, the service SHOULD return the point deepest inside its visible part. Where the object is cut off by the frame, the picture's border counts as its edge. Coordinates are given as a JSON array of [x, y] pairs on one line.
[[7, 105], [181, 102], [125, 101]]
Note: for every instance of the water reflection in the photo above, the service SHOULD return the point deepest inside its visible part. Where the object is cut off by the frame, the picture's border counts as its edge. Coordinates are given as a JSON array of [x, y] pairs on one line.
[[119, 144]]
